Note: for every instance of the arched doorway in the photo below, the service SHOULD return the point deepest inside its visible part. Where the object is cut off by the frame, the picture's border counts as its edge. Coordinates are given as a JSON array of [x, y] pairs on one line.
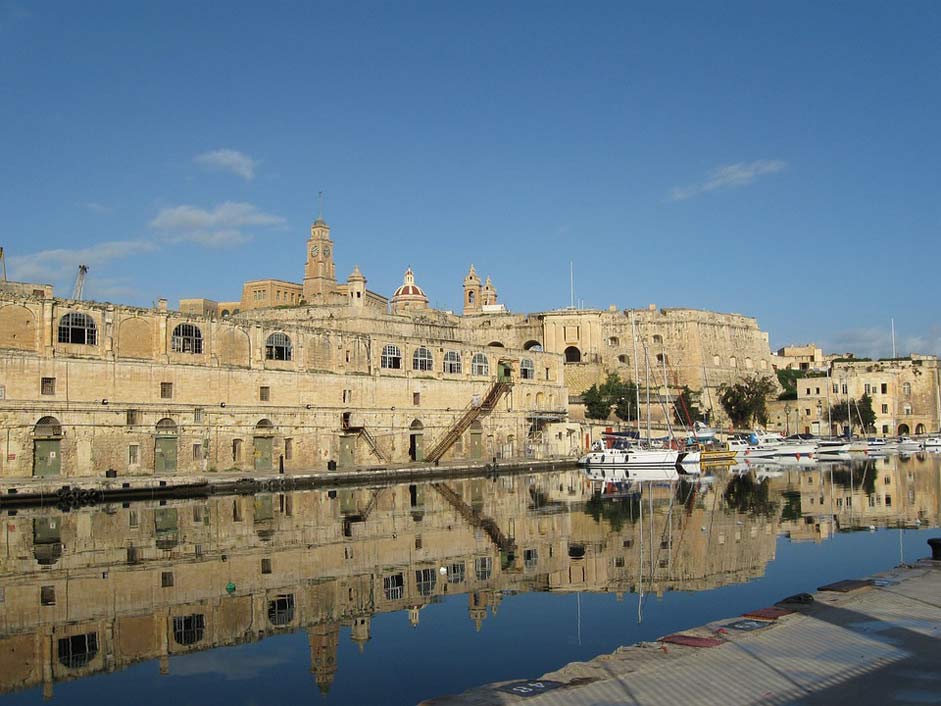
[[476, 439], [919, 429], [416, 451], [904, 430], [47, 451], [535, 346], [573, 355], [165, 447], [263, 444]]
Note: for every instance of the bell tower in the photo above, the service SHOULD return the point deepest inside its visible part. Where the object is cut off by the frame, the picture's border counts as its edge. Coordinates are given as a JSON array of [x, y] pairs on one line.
[[472, 292], [320, 280]]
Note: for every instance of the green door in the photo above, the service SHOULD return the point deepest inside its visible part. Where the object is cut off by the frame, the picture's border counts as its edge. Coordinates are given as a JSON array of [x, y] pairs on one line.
[[263, 453], [165, 455], [47, 460], [476, 446], [347, 443]]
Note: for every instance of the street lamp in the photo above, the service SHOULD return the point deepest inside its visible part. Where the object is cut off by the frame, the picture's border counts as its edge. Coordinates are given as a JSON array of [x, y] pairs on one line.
[[787, 419]]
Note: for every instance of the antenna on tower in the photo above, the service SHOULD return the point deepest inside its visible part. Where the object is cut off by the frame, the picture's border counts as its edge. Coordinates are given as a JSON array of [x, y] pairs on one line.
[[3, 267], [319, 205]]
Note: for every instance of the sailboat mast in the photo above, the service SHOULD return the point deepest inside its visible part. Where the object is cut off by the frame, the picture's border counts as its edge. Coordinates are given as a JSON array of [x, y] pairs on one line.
[[636, 373], [647, 385]]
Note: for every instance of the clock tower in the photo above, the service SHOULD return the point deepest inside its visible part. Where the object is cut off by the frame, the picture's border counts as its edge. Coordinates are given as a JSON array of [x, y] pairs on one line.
[[320, 281]]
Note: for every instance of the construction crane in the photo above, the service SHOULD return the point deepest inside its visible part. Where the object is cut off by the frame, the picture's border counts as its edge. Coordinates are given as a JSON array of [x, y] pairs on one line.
[[79, 290], [3, 267]]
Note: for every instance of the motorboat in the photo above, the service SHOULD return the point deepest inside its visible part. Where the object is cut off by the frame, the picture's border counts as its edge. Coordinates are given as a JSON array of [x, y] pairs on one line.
[[833, 446], [933, 442], [907, 445]]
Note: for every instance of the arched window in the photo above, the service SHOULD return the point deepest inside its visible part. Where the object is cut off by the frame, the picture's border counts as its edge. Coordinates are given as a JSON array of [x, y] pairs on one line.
[[452, 362], [78, 328], [623, 359], [391, 357], [166, 426], [78, 650], [281, 609], [225, 313], [470, 297], [527, 369], [748, 364], [422, 360], [189, 629], [906, 388], [732, 362], [535, 346], [187, 338], [278, 347], [661, 358], [715, 360], [480, 365], [264, 426], [495, 344], [573, 355], [47, 427]]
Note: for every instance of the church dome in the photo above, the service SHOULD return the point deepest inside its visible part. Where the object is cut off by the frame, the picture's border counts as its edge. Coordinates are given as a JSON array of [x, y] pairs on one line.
[[409, 295]]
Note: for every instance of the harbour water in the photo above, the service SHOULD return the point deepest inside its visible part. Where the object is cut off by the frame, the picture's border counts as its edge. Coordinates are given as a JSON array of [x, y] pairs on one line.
[[394, 594]]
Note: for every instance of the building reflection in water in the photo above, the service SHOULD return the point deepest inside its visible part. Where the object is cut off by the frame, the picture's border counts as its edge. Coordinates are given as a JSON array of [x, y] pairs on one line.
[[99, 589]]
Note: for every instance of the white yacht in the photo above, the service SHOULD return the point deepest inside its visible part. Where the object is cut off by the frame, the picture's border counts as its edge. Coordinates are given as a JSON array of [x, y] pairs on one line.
[[933, 442], [907, 445]]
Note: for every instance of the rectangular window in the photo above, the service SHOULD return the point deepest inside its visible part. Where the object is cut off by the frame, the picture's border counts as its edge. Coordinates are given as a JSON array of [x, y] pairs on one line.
[[133, 519], [416, 398], [885, 409], [885, 388], [808, 391], [166, 390], [166, 579], [133, 417], [197, 451], [885, 428], [867, 388], [818, 390], [836, 388], [806, 412], [844, 388], [198, 415], [288, 449], [133, 455], [264, 393], [547, 373], [47, 386], [236, 450], [266, 566], [47, 595], [347, 396]]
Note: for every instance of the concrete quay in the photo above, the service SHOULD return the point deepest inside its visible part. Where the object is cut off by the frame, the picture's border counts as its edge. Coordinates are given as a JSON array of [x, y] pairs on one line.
[[86, 490], [876, 642]]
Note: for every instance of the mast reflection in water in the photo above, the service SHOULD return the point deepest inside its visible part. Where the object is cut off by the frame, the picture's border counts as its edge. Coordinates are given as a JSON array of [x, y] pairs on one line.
[[390, 595]]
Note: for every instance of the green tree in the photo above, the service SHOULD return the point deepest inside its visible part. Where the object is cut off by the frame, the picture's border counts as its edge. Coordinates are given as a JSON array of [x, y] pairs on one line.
[[685, 411], [861, 409], [866, 413], [745, 402], [597, 405]]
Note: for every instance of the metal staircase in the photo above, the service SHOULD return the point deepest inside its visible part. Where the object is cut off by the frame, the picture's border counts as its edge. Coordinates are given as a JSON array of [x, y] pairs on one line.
[[469, 414], [475, 519], [370, 441]]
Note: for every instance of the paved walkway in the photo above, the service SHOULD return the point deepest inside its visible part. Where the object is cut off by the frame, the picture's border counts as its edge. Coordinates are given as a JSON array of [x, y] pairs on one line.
[[879, 644]]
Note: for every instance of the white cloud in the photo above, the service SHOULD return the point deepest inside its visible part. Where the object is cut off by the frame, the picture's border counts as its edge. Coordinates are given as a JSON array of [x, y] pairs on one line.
[[60, 265], [877, 342], [728, 176], [228, 160], [98, 208], [217, 227]]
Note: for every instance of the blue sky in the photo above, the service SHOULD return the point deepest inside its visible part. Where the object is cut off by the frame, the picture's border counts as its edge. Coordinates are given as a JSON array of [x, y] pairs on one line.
[[778, 160]]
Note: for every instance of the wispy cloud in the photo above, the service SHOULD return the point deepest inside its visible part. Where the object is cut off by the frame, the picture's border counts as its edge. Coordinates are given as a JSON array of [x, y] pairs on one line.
[[728, 176], [228, 160], [60, 265], [98, 208], [218, 227], [877, 342]]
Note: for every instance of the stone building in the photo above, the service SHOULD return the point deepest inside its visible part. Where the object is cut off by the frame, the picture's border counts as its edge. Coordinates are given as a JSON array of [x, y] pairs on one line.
[[905, 393], [302, 373]]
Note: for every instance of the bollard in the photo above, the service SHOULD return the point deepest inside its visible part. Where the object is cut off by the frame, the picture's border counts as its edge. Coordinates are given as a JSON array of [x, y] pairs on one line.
[[935, 544]]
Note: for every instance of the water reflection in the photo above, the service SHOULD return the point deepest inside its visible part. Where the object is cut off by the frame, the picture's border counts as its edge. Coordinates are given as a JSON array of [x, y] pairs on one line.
[[102, 588]]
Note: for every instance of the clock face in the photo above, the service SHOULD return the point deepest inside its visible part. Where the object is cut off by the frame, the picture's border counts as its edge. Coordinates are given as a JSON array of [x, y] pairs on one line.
[[314, 250], [326, 251]]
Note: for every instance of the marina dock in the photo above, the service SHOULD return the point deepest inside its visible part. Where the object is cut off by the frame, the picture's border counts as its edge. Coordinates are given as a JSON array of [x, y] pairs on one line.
[[863, 641]]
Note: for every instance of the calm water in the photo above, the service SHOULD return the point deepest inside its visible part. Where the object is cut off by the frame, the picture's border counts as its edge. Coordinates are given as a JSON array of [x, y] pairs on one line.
[[280, 598]]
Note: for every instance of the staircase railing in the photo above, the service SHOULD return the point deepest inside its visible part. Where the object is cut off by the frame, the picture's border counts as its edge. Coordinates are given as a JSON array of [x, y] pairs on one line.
[[470, 413], [475, 519]]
